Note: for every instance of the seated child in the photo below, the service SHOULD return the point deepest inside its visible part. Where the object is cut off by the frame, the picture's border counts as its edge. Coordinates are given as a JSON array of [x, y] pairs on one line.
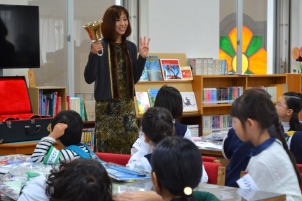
[[80, 179], [169, 98], [253, 113], [176, 169], [67, 128], [157, 124], [288, 107]]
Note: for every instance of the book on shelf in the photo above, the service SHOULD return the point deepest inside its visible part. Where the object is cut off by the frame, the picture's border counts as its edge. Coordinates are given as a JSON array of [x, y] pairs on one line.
[[186, 72], [152, 95], [170, 69], [76, 104], [189, 101], [144, 76], [88, 137], [90, 109], [152, 71], [142, 101], [222, 95], [214, 123], [208, 66], [195, 63], [49, 103]]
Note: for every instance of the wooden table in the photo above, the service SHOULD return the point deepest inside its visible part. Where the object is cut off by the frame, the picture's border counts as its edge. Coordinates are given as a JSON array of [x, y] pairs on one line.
[[26, 147]]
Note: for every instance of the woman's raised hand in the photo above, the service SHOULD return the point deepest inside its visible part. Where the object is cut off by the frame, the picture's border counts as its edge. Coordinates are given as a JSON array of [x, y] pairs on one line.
[[144, 46]]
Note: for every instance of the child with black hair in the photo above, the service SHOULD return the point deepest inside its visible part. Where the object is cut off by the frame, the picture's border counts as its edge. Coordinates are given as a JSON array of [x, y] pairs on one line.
[[288, 107], [253, 113], [176, 169], [170, 98], [157, 124], [67, 128], [77, 180]]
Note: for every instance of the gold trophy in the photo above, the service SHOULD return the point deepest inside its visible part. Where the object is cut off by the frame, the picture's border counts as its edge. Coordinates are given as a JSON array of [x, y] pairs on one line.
[[94, 31]]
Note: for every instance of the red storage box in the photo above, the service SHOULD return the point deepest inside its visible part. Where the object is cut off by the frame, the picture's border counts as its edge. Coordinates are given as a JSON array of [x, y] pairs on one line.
[[17, 122]]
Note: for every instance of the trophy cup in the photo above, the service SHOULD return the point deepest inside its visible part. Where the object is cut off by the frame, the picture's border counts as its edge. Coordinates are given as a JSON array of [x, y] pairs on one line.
[[94, 31]]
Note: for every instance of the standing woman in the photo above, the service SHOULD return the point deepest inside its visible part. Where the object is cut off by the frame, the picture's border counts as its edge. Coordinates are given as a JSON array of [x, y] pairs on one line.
[[114, 74]]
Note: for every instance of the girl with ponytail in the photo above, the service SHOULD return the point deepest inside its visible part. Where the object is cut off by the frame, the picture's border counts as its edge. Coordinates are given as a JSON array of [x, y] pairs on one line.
[[272, 166]]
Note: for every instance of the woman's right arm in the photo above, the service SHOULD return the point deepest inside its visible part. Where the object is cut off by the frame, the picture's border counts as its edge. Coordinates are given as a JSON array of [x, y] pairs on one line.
[[91, 69], [90, 73]]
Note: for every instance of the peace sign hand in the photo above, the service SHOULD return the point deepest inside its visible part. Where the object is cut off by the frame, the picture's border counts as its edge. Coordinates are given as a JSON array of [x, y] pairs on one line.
[[144, 46]]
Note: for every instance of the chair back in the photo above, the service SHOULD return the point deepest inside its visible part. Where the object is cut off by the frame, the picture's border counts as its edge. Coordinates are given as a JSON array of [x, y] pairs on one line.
[[121, 159], [300, 169], [216, 173], [209, 159]]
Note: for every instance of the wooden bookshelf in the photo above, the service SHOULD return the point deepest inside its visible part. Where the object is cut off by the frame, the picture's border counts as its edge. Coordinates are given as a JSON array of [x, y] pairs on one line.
[[35, 99], [215, 81]]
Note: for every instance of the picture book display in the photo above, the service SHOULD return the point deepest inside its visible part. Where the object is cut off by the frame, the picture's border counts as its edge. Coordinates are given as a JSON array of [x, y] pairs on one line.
[[142, 100], [186, 72], [152, 95], [152, 71], [189, 102], [170, 69]]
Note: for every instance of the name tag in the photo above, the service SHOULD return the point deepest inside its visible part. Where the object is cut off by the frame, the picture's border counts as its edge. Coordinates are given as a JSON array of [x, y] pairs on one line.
[[247, 182], [52, 156]]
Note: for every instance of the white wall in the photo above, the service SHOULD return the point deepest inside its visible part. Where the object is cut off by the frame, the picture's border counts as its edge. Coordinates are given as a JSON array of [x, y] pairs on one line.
[[177, 26]]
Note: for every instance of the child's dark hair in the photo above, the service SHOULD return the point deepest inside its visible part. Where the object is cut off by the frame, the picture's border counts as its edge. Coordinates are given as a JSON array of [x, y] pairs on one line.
[[157, 123], [170, 98], [294, 101], [256, 104], [177, 164], [73, 132], [79, 179]]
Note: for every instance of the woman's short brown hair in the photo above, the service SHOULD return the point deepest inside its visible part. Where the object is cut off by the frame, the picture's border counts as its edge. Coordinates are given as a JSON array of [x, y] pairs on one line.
[[108, 24]]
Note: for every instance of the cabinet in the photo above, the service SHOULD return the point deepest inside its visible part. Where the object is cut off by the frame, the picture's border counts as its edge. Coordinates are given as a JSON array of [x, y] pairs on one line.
[[35, 98], [216, 81]]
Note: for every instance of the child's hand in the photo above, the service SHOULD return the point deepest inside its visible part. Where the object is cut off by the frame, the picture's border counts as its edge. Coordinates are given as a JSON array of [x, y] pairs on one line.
[[58, 130]]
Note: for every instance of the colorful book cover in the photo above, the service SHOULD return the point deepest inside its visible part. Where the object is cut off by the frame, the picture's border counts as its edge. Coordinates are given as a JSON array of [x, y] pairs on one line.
[[142, 100], [186, 73], [189, 102], [144, 76], [170, 69], [152, 95], [152, 67]]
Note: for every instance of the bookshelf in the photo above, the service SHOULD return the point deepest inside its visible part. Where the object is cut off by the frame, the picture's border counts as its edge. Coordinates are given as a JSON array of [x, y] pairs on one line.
[[294, 82], [188, 118], [216, 81], [34, 96]]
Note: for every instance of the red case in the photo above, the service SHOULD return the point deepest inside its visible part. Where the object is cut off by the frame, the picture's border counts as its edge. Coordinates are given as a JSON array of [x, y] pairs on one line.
[[17, 122]]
